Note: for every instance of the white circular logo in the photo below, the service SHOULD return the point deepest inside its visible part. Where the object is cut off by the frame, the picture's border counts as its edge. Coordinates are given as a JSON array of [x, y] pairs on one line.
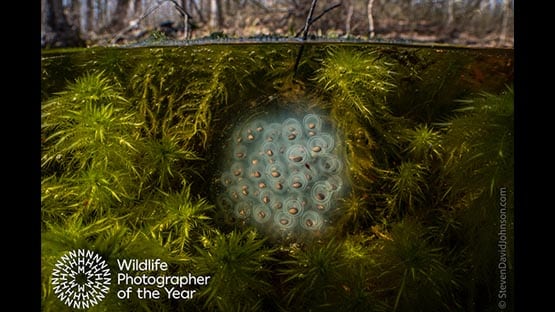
[[81, 279]]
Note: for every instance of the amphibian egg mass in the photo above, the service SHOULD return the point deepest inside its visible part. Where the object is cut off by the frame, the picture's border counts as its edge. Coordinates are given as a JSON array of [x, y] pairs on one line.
[[283, 177]]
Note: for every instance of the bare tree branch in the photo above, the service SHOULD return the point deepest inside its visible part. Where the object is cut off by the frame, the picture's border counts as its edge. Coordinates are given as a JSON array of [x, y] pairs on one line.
[[325, 11], [308, 20], [311, 21]]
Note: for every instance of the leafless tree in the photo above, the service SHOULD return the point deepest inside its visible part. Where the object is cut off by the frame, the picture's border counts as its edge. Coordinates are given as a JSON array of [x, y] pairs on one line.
[[371, 32], [58, 32], [119, 18], [89, 16], [450, 12], [488, 22], [348, 20], [507, 10]]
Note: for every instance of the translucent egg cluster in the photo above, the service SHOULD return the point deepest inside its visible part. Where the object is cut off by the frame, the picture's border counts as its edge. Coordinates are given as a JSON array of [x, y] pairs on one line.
[[283, 176]]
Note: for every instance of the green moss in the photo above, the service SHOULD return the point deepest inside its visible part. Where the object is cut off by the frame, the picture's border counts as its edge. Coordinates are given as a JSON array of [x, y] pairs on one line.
[[358, 83], [424, 144], [129, 151], [237, 263], [184, 220], [480, 143]]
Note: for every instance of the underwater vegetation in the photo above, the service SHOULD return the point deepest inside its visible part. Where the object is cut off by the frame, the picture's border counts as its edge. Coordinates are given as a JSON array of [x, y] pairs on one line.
[[368, 181]]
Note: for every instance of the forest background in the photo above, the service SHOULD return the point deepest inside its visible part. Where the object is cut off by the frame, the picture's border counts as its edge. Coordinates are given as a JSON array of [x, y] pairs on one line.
[[79, 23]]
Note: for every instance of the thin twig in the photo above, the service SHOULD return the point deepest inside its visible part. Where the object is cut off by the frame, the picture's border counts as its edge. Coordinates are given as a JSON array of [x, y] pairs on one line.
[[308, 23], [185, 15], [181, 9], [319, 16], [326, 11], [309, 19], [126, 29], [153, 8], [305, 35]]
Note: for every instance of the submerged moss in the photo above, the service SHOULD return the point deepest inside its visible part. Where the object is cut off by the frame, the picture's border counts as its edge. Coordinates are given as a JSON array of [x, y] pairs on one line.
[[132, 141]]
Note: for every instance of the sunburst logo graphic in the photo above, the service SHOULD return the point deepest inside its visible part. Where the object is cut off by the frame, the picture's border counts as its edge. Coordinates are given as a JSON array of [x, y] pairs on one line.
[[81, 279]]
